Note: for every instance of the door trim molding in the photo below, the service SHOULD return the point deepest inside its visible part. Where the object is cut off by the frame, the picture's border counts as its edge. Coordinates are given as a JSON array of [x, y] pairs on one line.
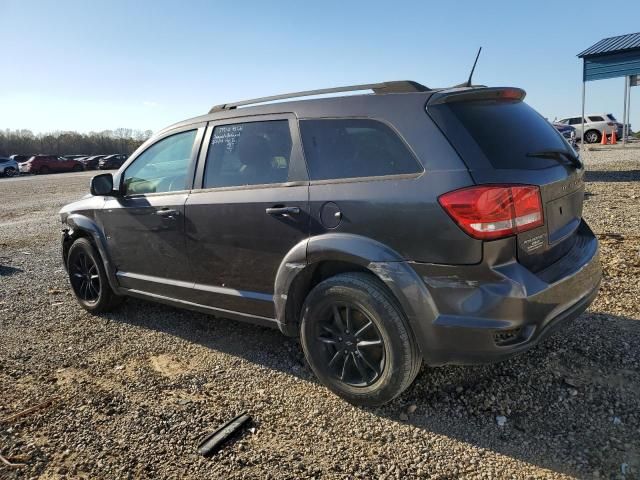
[[264, 297]]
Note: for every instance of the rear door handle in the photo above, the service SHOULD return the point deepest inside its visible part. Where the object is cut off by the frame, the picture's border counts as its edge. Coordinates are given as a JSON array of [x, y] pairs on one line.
[[168, 213], [283, 210]]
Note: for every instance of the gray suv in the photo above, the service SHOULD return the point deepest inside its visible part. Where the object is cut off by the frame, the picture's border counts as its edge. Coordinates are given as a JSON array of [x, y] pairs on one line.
[[386, 230]]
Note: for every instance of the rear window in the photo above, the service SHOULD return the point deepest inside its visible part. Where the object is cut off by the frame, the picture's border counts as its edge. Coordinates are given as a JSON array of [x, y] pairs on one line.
[[611, 117], [505, 131], [352, 148]]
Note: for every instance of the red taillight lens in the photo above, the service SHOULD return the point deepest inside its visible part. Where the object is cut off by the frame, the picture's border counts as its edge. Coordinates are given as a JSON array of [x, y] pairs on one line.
[[494, 211]]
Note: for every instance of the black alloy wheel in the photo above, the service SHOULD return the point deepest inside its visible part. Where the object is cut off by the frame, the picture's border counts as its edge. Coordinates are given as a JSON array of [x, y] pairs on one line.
[[356, 339], [85, 278], [354, 351], [88, 278]]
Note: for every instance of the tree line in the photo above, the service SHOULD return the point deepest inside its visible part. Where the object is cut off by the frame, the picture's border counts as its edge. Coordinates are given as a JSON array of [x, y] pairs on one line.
[[25, 142]]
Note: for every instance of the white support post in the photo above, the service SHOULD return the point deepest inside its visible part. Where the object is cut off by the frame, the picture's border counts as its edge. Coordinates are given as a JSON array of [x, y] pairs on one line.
[[582, 141], [628, 122], [624, 113]]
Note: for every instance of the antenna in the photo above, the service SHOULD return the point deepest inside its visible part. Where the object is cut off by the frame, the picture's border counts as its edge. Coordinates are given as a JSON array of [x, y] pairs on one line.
[[473, 68]]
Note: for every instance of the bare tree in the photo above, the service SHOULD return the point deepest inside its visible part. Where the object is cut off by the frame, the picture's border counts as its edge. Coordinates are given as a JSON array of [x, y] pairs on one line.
[[25, 142]]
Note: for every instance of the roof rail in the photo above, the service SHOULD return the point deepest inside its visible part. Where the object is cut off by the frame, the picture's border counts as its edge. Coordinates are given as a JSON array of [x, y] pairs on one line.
[[400, 86]]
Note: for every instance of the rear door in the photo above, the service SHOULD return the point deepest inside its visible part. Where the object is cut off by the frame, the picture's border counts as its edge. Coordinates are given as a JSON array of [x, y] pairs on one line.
[[251, 210], [503, 140]]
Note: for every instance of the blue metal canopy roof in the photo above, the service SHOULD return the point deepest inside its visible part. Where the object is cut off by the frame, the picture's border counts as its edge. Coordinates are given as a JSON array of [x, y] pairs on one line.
[[612, 57], [613, 45]]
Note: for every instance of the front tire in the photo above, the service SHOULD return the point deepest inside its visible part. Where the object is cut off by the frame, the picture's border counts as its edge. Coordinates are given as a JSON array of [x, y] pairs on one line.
[[43, 170], [77, 168], [88, 278], [9, 171], [357, 340]]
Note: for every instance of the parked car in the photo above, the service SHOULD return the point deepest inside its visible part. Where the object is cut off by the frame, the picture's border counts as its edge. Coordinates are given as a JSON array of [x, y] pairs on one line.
[[20, 158], [594, 125], [50, 164], [8, 167], [75, 156], [386, 230], [112, 162], [90, 163], [567, 131]]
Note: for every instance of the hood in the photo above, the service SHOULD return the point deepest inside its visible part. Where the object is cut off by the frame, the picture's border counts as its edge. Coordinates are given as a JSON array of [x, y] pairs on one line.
[[562, 127], [85, 206]]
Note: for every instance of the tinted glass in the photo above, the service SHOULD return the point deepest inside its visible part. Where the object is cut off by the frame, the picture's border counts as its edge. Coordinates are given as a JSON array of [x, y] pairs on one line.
[[351, 148], [507, 131], [596, 118], [162, 167], [575, 121], [252, 153], [611, 117]]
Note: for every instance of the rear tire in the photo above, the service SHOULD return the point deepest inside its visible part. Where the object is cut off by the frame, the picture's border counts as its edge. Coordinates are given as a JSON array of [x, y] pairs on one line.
[[43, 170], [592, 136], [365, 352], [77, 168], [88, 278]]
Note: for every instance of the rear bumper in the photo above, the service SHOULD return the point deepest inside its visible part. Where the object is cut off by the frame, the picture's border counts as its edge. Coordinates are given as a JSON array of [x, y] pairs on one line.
[[489, 312]]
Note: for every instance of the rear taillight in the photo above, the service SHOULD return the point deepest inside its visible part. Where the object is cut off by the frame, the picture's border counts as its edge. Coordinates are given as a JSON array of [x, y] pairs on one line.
[[488, 212], [611, 124]]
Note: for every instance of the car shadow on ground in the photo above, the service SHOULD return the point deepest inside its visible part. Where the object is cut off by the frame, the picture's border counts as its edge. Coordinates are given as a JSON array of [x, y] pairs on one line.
[[7, 270], [612, 175], [570, 404]]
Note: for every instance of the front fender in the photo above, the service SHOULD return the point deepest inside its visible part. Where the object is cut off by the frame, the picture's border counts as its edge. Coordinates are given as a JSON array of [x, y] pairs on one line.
[[386, 264], [81, 224]]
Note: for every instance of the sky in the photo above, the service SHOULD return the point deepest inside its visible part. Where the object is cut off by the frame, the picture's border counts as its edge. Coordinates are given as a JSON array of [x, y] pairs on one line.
[[91, 66]]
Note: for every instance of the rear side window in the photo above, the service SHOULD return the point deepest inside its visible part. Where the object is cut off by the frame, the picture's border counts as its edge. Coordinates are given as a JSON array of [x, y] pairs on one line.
[[506, 131], [576, 121], [253, 153], [596, 118], [351, 148]]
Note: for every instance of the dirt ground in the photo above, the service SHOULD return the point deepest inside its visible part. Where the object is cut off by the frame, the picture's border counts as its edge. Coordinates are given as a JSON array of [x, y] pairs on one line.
[[132, 392]]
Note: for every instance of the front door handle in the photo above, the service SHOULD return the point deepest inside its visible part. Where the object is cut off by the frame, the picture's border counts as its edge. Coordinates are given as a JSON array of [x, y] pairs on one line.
[[283, 210], [168, 213]]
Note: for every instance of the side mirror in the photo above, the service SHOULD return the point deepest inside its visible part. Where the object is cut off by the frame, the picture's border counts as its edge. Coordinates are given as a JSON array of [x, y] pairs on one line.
[[102, 184]]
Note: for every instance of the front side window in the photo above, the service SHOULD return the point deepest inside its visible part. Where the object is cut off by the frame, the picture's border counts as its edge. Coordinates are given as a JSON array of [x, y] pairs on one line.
[[162, 167], [252, 153], [351, 148]]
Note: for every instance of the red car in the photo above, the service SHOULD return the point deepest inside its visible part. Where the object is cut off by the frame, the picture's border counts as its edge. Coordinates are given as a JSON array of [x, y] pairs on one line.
[[50, 164]]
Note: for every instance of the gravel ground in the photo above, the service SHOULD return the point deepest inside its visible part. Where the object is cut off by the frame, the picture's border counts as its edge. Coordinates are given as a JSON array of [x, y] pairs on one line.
[[136, 389]]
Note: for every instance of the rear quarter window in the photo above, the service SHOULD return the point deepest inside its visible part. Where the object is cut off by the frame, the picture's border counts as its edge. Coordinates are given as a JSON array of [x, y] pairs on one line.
[[596, 118], [352, 148]]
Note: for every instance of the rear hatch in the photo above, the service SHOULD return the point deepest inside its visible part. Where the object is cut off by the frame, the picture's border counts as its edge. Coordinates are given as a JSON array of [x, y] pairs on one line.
[[502, 140]]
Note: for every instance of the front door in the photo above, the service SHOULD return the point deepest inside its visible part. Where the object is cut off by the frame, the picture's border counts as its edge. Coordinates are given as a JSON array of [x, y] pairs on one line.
[[145, 224], [251, 210]]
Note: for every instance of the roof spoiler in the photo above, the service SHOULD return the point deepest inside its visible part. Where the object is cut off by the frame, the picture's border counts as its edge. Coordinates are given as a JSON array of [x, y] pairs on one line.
[[475, 94], [399, 86]]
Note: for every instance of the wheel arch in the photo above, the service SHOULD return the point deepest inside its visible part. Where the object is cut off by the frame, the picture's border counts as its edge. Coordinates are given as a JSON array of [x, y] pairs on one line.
[[321, 257], [82, 226]]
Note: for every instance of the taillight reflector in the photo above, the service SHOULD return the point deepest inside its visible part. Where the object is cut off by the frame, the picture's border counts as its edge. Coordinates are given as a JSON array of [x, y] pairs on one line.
[[489, 212]]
